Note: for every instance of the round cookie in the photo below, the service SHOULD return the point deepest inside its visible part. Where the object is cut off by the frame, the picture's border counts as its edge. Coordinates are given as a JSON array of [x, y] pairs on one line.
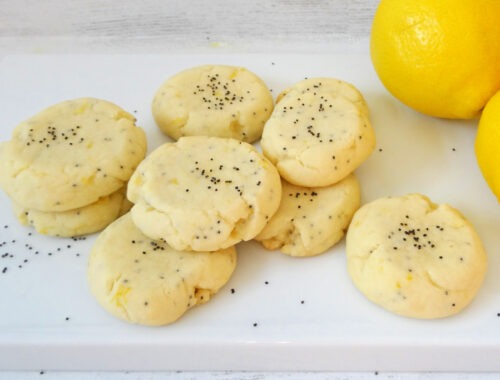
[[415, 258], [316, 137], [81, 221], [147, 282], [331, 85], [311, 220], [213, 100], [70, 155], [204, 193]]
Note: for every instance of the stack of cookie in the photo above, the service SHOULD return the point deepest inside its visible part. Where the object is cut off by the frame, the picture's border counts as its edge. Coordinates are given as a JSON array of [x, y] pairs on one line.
[[66, 168], [317, 135], [193, 201]]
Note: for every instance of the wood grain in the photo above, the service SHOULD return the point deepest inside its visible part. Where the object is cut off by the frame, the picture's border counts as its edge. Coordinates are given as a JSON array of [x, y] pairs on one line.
[[61, 25]]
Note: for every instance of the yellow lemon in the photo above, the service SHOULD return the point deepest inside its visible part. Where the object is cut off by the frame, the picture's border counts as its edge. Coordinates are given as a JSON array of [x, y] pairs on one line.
[[487, 144], [441, 58]]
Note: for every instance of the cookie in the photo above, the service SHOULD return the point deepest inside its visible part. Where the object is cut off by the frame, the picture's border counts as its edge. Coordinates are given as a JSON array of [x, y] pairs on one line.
[[331, 85], [213, 100], [81, 221], [204, 193], [144, 281], [317, 137], [311, 220], [415, 258], [70, 155]]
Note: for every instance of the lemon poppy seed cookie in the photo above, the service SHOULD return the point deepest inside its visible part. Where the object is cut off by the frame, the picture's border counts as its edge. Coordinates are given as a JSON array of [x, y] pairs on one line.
[[204, 193], [81, 221], [145, 281], [213, 100], [70, 155], [316, 137], [311, 220], [333, 86], [415, 258]]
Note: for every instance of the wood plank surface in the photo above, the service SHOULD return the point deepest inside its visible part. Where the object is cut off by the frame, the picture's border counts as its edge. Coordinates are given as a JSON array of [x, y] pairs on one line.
[[154, 25]]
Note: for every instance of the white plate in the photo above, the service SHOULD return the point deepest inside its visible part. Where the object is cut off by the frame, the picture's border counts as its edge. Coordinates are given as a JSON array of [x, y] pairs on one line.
[[285, 313]]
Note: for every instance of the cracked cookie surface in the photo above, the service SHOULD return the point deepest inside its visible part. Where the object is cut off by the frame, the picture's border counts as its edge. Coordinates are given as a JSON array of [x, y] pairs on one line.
[[415, 258], [213, 100], [319, 132], [70, 155], [204, 193]]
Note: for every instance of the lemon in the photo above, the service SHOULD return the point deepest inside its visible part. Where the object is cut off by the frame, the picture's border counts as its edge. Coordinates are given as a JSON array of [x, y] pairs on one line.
[[487, 144], [441, 58]]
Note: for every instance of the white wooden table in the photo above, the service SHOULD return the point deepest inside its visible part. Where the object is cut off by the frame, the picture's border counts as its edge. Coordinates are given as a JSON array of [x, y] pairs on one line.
[[191, 26], [58, 26]]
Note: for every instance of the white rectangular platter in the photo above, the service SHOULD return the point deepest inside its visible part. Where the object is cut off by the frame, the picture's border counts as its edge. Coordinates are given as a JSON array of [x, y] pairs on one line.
[[277, 312]]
